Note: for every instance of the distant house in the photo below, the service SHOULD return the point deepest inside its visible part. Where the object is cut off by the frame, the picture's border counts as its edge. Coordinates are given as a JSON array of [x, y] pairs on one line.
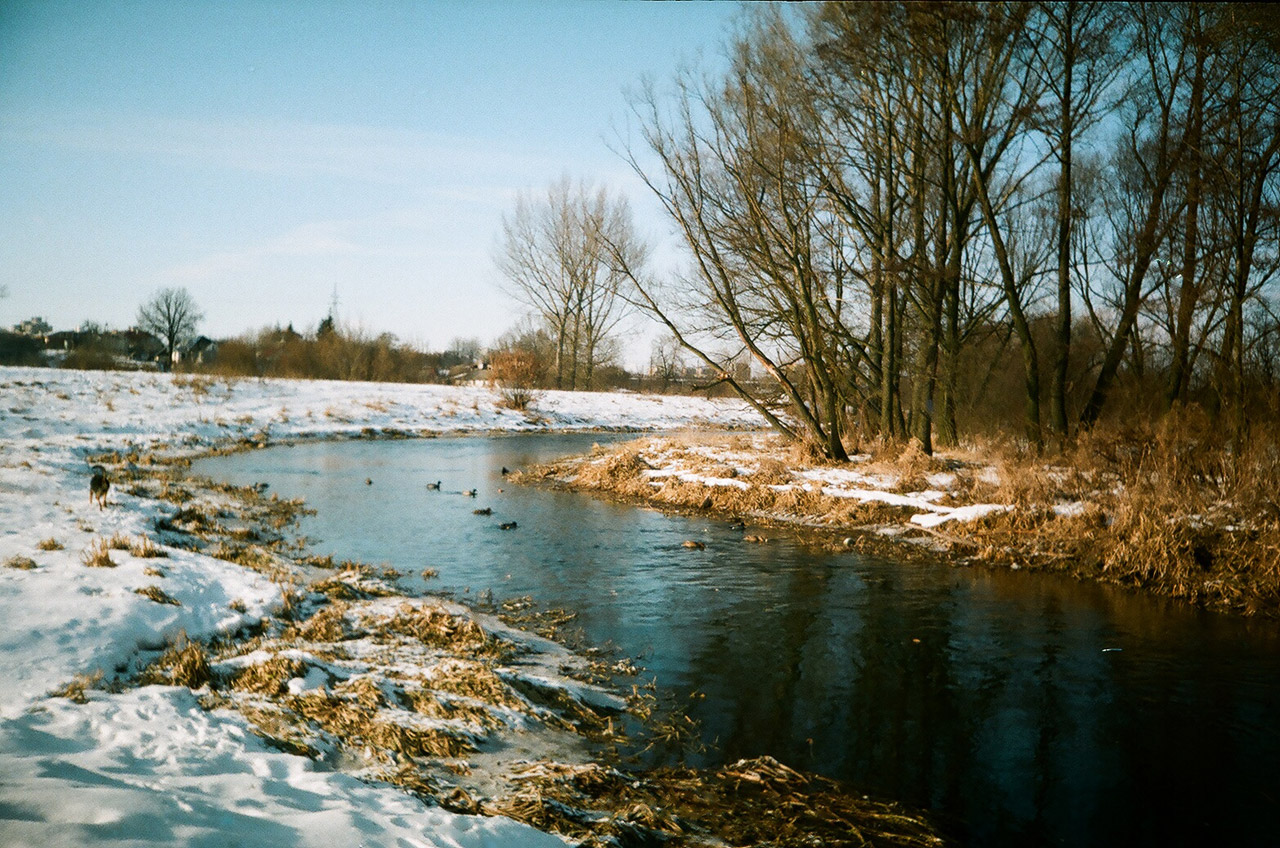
[[140, 346], [36, 326], [470, 374], [64, 340], [201, 350], [127, 350]]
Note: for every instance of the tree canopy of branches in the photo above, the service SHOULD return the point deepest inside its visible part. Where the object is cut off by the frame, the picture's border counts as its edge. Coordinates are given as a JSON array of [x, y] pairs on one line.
[[172, 316], [555, 252], [889, 205]]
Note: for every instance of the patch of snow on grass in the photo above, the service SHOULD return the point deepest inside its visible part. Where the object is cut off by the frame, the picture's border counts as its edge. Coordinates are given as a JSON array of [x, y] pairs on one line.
[[962, 513]]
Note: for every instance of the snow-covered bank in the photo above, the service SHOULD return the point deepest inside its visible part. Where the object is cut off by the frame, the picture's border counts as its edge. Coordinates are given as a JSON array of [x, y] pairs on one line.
[[759, 476], [150, 766]]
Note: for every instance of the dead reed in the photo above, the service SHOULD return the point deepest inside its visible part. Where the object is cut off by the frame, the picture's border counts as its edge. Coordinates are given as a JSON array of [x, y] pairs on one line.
[[144, 548], [160, 596], [184, 663], [76, 689], [98, 555], [270, 677], [751, 802]]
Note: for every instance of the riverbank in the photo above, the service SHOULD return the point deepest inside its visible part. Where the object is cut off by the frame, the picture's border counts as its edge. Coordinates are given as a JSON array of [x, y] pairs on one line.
[[179, 669], [1167, 510]]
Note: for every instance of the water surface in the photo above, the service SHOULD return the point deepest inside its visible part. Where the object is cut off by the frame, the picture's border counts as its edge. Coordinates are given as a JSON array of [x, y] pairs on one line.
[[1021, 709]]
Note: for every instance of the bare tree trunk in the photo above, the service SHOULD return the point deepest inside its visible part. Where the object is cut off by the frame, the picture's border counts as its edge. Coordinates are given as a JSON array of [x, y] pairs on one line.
[[1189, 290], [1062, 322]]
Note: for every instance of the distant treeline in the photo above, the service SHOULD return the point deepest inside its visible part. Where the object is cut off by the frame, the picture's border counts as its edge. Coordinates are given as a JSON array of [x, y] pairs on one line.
[[336, 353], [330, 354]]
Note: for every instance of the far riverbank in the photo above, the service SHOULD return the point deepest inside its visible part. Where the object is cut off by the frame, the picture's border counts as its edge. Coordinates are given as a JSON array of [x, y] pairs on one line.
[[1165, 512]]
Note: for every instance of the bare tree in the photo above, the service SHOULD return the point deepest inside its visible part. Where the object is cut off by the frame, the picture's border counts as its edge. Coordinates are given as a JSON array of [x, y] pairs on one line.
[[1144, 205], [664, 360], [1244, 172], [737, 176], [1078, 58], [557, 252], [172, 315]]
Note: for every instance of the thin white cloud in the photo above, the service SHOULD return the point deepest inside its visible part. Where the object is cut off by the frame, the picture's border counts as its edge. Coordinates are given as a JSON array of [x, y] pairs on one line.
[[279, 148], [313, 240]]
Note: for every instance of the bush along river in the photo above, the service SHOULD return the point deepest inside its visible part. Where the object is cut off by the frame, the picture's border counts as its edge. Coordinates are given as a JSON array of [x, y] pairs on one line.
[[1021, 709]]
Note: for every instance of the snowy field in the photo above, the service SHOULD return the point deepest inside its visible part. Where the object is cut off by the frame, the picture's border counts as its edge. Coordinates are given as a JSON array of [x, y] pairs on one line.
[[149, 766]]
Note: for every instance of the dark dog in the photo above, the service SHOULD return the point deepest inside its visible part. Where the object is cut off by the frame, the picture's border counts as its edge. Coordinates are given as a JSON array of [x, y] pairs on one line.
[[99, 485]]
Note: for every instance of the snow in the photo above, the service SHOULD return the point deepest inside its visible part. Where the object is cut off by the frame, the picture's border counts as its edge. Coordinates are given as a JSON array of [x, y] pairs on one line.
[[149, 766], [865, 481], [941, 515]]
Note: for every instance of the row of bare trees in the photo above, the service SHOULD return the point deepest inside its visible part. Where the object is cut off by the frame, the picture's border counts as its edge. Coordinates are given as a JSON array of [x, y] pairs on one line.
[[875, 195]]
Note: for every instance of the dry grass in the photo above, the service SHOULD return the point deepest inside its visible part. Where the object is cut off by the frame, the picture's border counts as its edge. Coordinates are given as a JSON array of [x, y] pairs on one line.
[[77, 688], [184, 663], [1167, 507], [751, 802], [253, 557], [912, 466], [279, 729], [432, 704], [98, 555], [435, 628], [144, 548], [50, 545], [270, 677], [409, 740], [20, 563], [473, 679], [619, 472], [329, 624], [160, 596]]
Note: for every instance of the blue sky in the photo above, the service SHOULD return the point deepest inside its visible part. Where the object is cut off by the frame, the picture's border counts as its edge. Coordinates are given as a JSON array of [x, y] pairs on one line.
[[262, 152]]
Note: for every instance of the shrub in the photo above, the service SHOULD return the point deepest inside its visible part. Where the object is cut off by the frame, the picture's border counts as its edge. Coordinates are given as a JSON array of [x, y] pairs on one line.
[[515, 374]]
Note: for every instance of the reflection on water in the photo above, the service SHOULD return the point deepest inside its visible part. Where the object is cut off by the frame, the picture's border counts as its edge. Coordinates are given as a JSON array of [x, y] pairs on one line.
[[1021, 709]]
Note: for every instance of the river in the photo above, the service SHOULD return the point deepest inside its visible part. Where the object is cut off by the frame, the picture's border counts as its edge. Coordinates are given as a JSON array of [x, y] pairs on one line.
[[1021, 709]]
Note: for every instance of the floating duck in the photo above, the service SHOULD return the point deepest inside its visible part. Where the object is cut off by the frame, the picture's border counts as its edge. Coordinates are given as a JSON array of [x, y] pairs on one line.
[[697, 546], [508, 525], [368, 481], [485, 511], [435, 487], [737, 525], [471, 493]]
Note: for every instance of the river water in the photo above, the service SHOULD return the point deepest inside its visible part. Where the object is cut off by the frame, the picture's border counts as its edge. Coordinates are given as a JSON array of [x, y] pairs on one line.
[[1021, 709]]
